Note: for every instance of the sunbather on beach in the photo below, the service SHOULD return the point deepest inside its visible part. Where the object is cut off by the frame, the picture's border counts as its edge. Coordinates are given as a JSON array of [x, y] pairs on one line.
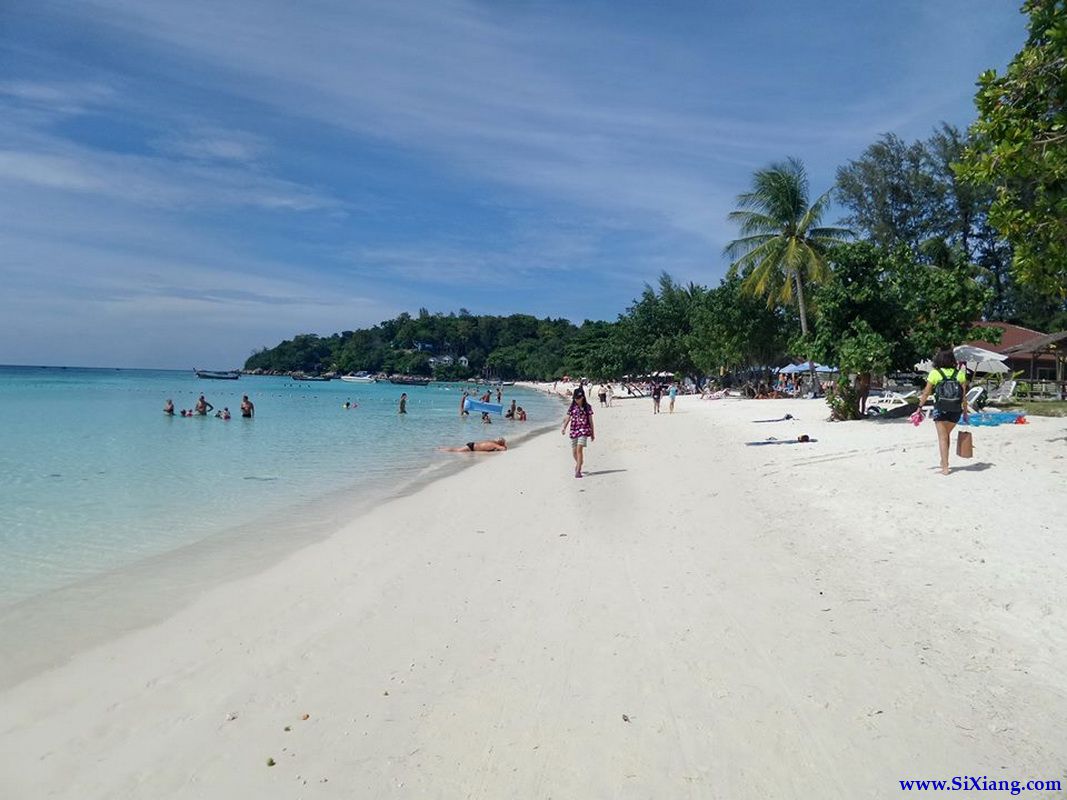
[[488, 446]]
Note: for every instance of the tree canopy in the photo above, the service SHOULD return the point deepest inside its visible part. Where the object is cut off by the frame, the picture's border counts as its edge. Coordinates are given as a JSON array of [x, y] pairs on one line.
[[1020, 148]]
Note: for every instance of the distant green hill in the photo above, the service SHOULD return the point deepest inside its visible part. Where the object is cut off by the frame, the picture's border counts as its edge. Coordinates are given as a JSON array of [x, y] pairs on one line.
[[513, 347]]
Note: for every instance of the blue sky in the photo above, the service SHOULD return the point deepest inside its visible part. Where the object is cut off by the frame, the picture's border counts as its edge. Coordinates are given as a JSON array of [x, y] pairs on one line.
[[183, 182]]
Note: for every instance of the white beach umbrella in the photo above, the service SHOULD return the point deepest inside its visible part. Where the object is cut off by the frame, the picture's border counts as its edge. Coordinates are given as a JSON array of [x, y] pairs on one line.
[[977, 359], [989, 365], [975, 355]]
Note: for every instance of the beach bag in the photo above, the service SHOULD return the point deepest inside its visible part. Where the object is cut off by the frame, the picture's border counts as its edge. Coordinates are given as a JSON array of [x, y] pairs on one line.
[[948, 393], [965, 445]]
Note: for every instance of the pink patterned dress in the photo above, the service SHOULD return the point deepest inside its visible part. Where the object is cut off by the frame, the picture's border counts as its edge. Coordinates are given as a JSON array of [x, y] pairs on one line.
[[580, 421]]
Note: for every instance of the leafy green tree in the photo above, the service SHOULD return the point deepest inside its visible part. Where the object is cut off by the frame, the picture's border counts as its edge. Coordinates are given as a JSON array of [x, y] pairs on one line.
[[593, 352], [891, 193], [782, 244], [900, 194], [884, 310], [944, 299], [734, 330], [658, 328], [1020, 148]]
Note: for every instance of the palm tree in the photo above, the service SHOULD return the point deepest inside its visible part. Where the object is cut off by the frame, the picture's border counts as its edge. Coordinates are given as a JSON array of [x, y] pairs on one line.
[[781, 245]]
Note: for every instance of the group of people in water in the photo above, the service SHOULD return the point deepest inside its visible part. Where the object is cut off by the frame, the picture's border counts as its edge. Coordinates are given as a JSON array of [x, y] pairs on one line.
[[202, 408], [515, 413]]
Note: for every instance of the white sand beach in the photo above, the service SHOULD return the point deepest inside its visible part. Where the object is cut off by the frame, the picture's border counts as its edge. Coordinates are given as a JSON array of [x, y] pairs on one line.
[[696, 618]]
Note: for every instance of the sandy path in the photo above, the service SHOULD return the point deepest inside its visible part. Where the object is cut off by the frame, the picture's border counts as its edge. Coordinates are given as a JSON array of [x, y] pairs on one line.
[[779, 621]]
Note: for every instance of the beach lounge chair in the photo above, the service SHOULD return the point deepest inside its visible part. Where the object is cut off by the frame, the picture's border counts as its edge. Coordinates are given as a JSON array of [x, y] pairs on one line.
[[1002, 394], [889, 399]]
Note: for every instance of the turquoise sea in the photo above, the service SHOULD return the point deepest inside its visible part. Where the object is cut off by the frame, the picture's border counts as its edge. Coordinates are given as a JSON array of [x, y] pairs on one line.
[[95, 478]]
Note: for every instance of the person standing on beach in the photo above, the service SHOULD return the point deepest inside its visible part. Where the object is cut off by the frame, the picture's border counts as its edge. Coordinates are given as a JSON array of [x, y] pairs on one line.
[[403, 403], [463, 412], [610, 394], [602, 394], [580, 420], [499, 396], [948, 384], [657, 393], [247, 409], [672, 393]]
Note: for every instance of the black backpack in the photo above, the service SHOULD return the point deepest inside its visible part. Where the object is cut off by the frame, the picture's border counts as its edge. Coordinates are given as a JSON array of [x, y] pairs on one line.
[[948, 393]]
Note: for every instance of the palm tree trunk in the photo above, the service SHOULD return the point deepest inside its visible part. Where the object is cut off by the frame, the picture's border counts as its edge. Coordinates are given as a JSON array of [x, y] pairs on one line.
[[802, 308]]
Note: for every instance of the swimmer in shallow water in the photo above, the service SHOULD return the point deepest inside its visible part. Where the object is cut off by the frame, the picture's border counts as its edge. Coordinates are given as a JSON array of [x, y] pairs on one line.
[[168, 408], [488, 446]]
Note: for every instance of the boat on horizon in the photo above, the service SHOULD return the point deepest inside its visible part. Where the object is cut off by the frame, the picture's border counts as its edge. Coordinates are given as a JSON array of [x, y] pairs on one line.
[[410, 380], [359, 377], [300, 376], [217, 375]]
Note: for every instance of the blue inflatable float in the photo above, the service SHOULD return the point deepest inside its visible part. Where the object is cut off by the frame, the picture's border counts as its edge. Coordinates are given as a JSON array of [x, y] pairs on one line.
[[479, 406]]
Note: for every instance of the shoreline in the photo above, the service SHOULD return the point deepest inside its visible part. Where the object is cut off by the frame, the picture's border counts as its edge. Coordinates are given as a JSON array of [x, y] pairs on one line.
[[486, 635], [61, 622]]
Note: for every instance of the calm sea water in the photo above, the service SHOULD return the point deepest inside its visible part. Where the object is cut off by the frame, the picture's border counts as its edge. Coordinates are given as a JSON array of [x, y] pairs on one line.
[[93, 476]]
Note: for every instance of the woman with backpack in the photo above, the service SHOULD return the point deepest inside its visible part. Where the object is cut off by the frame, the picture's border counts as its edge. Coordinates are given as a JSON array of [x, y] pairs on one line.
[[948, 384]]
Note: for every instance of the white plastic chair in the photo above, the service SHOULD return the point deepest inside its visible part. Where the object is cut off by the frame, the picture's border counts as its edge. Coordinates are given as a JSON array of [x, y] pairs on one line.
[[1003, 393]]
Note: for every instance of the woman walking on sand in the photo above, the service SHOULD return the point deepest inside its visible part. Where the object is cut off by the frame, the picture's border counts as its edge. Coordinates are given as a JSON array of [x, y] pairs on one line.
[[580, 420], [948, 384]]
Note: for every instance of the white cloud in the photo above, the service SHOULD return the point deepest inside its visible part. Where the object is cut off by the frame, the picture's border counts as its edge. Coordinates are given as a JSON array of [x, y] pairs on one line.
[[154, 181], [206, 143], [63, 97]]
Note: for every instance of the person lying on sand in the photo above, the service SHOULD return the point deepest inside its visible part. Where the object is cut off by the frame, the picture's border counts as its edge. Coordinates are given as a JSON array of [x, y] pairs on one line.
[[488, 446]]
